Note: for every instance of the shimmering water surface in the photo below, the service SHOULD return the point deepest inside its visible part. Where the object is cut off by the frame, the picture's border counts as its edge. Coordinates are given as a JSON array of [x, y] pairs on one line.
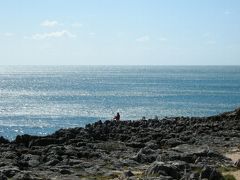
[[41, 99]]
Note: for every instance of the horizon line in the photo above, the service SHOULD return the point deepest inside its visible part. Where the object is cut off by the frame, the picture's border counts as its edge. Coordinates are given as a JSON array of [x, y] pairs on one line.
[[119, 65]]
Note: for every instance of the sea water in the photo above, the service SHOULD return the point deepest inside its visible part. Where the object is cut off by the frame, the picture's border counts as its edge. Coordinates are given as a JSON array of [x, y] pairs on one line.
[[39, 100]]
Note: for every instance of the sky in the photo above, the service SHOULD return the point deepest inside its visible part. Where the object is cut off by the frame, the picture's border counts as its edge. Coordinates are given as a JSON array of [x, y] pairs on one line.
[[123, 32]]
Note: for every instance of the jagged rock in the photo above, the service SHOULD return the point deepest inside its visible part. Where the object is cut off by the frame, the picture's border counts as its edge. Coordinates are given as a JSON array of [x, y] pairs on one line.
[[173, 142], [9, 154], [145, 155], [234, 113], [26, 176], [31, 160], [136, 144], [127, 174], [161, 168], [65, 171], [194, 176], [181, 165], [211, 174], [3, 140], [45, 141], [2, 176], [52, 162], [73, 162], [24, 139], [170, 148], [159, 178], [9, 171], [237, 163]]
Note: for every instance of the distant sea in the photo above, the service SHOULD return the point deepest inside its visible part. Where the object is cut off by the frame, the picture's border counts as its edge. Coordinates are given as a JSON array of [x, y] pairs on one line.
[[39, 100]]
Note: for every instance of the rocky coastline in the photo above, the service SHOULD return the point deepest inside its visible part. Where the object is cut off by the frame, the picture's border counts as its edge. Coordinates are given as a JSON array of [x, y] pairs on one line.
[[167, 149]]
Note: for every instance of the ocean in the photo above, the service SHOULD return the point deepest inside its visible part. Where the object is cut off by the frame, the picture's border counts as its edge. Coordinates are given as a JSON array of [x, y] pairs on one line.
[[39, 100]]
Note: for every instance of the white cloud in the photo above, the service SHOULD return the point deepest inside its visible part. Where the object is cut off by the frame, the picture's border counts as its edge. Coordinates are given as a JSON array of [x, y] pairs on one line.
[[56, 34], [7, 34], [77, 24], [143, 39], [48, 23]]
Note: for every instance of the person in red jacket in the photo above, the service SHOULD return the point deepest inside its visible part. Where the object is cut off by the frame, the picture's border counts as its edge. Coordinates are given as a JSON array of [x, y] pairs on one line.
[[117, 117]]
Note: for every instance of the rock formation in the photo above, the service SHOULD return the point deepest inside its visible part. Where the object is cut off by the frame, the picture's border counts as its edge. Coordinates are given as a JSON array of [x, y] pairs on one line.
[[170, 148]]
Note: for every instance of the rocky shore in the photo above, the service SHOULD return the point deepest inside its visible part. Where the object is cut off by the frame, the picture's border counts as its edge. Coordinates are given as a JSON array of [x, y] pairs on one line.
[[169, 148]]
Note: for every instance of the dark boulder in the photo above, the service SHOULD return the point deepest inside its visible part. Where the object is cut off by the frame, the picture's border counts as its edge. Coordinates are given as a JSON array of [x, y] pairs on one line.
[[45, 141], [2, 176], [65, 171], [3, 140], [135, 144], [211, 174], [9, 171], [237, 163], [24, 139], [127, 174], [164, 169]]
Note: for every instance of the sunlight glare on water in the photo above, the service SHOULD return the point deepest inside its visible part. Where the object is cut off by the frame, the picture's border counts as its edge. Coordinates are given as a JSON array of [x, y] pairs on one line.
[[41, 99]]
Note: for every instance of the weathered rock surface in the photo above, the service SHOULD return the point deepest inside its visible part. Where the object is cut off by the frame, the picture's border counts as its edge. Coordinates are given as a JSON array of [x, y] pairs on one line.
[[171, 148]]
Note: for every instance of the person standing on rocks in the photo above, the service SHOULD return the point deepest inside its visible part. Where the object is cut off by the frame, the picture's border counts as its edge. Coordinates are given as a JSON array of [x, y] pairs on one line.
[[117, 117]]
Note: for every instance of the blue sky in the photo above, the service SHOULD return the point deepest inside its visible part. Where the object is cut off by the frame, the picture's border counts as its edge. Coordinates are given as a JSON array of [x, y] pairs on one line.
[[123, 32]]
